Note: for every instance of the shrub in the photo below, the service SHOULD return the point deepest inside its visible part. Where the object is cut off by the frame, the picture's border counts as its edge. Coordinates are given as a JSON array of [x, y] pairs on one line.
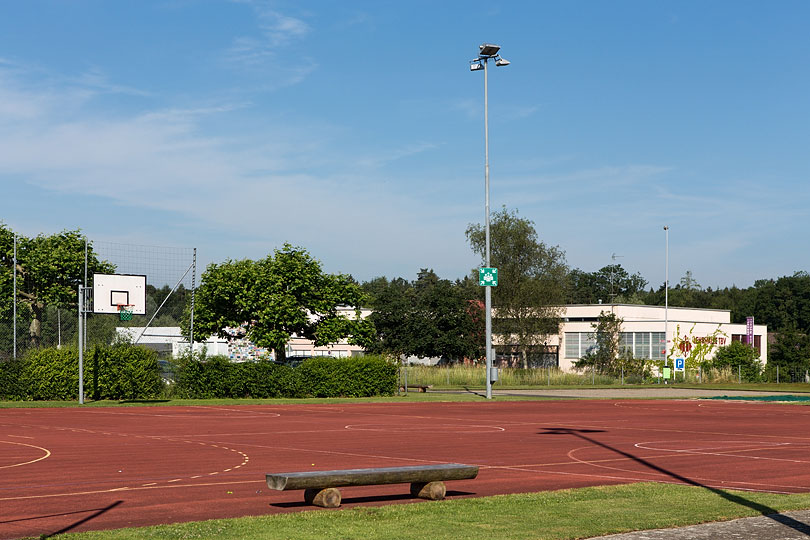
[[207, 378], [739, 356], [12, 385], [117, 372], [52, 374], [348, 377], [217, 377], [123, 371], [266, 379]]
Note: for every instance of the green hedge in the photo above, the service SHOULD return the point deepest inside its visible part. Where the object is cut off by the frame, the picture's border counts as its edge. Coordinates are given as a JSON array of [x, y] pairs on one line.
[[12, 385], [217, 377], [122, 371], [118, 372], [348, 377], [130, 372]]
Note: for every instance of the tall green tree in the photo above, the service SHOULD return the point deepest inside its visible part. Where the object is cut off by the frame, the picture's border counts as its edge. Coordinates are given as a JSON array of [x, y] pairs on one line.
[[609, 284], [738, 355], [532, 281], [50, 269], [791, 352], [429, 317], [283, 294], [609, 357]]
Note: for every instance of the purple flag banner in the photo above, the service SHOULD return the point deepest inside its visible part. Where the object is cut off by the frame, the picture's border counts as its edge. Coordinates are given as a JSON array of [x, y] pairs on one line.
[[749, 327]]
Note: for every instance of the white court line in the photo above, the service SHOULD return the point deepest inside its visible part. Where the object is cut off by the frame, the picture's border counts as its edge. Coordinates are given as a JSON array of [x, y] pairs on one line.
[[726, 453], [46, 456], [698, 480]]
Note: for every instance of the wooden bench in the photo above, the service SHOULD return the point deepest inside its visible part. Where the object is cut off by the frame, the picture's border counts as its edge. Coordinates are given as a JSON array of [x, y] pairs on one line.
[[427, 481], [420, 387]]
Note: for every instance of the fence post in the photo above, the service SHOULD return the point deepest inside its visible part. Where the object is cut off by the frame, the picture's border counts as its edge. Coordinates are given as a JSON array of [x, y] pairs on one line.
[[14, 302]]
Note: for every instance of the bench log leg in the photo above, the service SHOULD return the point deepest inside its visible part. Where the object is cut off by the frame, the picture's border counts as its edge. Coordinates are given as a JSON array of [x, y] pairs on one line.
[[434, 491], [325, 498]]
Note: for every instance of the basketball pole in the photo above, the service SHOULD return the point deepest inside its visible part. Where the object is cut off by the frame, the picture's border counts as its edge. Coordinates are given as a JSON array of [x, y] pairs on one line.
[[81, 344]]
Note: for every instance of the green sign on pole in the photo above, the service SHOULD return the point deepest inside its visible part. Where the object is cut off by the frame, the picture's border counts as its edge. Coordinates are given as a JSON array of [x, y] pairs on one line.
[[488, 277]]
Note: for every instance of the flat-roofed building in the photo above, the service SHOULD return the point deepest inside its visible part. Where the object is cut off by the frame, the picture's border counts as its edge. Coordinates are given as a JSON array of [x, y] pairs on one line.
[[643, 331]]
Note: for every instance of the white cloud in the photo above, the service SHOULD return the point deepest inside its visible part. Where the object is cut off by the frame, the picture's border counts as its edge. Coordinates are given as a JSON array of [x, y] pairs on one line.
[[275, 31], [253, 186], [96, 79]]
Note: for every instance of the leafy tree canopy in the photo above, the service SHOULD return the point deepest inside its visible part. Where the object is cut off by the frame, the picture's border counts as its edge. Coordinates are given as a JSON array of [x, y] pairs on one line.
[[609, 284], [283, 294], [429, 317], [532, 280], [738, 355], [50, 269]]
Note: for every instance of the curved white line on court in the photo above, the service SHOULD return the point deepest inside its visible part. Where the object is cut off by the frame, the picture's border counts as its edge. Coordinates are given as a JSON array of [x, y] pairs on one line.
[[46, 456], [730, 452], [441, 428], [720, 484]]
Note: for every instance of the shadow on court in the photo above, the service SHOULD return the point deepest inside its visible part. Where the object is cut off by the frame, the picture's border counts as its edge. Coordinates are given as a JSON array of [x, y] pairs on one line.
[[96, 512], [764, 510]]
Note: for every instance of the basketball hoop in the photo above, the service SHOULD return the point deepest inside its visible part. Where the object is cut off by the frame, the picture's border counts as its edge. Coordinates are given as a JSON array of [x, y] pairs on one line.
[[125, 312]]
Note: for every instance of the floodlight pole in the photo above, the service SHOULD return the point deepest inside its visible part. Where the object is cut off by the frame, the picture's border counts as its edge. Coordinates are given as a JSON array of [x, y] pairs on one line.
[[487, 290], [666, 297], [487, 51]]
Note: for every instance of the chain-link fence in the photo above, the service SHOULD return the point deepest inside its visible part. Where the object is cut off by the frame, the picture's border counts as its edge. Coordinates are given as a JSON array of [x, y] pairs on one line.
[[170, 281]]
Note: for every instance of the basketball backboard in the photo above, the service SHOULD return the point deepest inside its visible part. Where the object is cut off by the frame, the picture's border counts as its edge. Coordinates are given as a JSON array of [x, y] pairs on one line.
[[113, 290]]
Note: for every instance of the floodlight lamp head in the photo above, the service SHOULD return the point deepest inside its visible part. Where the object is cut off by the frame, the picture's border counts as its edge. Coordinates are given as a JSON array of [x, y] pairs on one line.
[[488, 49], [475, 66], [502, 62]]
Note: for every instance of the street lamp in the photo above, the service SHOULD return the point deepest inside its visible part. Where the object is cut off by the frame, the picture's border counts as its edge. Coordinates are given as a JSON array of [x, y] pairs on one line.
[[487, 52]]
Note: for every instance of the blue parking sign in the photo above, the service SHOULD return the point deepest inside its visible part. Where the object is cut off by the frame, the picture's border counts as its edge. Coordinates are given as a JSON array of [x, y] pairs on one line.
[[679, 364]]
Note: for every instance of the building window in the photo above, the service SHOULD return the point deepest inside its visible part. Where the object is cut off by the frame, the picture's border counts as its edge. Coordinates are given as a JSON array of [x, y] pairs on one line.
[[744, 339], [641, 347], [659, 343], [648, 345], [578, 344], [626, 343], [572, 344]]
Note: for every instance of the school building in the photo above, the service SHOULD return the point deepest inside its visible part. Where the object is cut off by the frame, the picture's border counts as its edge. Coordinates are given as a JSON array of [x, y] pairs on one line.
[[644, 331]]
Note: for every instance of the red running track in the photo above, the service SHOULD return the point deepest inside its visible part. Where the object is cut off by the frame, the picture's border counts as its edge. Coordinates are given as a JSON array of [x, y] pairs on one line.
[[97, 468]]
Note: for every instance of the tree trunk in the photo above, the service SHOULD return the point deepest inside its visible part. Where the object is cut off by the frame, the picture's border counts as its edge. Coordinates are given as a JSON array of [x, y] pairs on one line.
[[35, 328], [281, 353], [525, 357]]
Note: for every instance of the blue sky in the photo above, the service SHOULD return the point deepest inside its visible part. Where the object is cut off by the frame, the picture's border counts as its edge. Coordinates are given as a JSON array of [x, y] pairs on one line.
[[355, 129]]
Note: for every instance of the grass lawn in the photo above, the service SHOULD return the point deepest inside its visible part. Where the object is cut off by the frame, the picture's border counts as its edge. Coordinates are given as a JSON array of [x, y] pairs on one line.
[[410, 397], [577, 513], [454, 394]]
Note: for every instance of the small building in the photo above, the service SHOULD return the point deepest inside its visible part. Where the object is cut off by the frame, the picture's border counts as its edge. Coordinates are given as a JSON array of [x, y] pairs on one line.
[[168, 341]]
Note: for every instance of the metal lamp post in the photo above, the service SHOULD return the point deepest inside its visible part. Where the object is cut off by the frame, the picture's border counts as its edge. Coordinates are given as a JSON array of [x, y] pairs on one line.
[[487, 52], [666, 296]]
